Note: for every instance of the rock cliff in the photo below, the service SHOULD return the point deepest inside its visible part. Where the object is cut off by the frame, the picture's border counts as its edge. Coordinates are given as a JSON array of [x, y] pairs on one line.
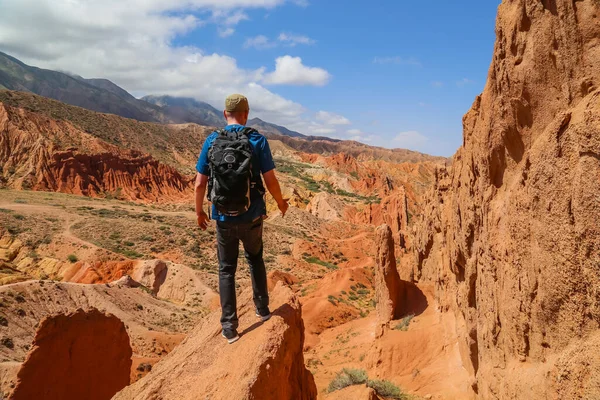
[[39, 153], [266, 363], [83, 355], [510, 235]]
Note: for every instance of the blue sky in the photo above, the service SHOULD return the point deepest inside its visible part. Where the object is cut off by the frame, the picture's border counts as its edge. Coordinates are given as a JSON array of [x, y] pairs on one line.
[[396, 66], [387, 73]]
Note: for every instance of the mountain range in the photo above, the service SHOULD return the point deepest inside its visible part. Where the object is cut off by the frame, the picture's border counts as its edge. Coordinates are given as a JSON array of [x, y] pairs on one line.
[[102, 95]]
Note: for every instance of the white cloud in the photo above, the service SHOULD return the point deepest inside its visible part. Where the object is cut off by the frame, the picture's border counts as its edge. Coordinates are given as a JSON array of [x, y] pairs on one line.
[[259, 42], [329, 118], [464, 82], [290, 71], [132, 43], [319, 130], [226, 32], [229, 19], [359, 136], [293, 40], [410, 140], [437, 84], [397, 61]]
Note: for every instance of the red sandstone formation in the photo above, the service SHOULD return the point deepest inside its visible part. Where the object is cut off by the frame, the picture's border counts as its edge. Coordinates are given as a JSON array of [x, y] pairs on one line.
[[511, 235], [98, 272], [266, 363], [387, 281], [277, 276], [151, 274], [47, 155], [392, 211], [84, 355]]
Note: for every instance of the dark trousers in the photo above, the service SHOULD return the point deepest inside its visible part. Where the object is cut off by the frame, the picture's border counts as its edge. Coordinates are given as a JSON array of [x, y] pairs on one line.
[[229, 236]]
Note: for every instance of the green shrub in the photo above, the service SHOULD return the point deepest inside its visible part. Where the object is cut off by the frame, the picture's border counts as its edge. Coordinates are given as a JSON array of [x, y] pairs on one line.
[[315, 260], [387, 389], [7, 342], [347, 377], [404, 323], [72, 258]]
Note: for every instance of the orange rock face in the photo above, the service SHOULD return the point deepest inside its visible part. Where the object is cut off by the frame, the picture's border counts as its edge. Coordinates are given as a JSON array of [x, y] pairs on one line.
[[84, 355], [98, 272], [510, 235], [56, 156], [387, 280], [392, 211], [266, 363]]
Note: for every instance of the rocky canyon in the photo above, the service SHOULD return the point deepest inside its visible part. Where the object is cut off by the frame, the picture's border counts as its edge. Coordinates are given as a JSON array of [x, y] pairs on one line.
[[394, 275]]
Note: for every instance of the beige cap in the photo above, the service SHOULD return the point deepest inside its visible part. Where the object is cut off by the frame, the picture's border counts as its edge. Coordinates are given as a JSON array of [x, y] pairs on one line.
[[236, 103]]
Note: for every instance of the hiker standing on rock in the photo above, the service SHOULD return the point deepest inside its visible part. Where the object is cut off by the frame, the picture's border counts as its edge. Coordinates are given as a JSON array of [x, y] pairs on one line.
[[231, 164]]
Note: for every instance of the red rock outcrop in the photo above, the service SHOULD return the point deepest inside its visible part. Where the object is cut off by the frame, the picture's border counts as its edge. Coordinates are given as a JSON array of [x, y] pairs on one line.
[[392, 211], [38, 153], [266, 363], [151, 274], [275, 277], [98, 271], [84, 355], [387, 280], [510, 235], [325, 206]]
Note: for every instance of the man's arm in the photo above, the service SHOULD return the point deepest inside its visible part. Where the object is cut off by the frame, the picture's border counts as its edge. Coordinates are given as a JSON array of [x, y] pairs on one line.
[[200, 189], [273, 186]]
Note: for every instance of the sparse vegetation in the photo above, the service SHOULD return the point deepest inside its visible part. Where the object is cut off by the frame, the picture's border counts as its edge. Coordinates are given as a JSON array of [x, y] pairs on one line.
[[316, 260], [347, 377], [8, 343], [404, 323], [72, 258], [387, 389]]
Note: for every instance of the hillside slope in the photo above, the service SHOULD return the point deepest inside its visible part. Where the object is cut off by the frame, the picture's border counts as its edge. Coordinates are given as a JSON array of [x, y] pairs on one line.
[[91, 94], [57, 156], [184, 109]]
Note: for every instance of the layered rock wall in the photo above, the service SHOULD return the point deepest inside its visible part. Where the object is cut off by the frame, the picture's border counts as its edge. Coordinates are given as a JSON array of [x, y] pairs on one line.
[[510, 235], [42, 154]]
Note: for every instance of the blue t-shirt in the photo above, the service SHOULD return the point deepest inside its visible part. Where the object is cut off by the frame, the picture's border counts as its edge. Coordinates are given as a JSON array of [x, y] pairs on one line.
[[262, 162]]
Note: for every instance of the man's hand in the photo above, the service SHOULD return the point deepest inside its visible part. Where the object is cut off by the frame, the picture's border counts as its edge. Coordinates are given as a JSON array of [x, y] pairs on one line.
[[283, 206], [202, 220]]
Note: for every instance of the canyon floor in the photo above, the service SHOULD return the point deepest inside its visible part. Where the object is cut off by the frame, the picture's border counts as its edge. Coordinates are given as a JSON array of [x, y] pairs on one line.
[[62, 252]]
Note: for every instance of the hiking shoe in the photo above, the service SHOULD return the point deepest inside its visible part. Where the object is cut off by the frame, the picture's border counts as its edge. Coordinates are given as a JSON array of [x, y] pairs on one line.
[[264, 316], [231, 335]]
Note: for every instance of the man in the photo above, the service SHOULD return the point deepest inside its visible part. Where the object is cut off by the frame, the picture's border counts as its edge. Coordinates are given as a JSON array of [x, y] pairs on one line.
[[238, 218]]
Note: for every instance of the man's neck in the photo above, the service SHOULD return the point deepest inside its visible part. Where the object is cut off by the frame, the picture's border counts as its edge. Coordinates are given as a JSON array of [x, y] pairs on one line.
[[234, 122]]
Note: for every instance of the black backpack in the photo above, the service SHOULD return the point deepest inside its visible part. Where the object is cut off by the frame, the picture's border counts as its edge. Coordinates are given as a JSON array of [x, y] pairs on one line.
[[230, 161]]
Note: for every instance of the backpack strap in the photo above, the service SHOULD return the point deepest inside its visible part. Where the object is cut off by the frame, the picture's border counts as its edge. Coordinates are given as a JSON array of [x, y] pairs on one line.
[[247, 131]]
